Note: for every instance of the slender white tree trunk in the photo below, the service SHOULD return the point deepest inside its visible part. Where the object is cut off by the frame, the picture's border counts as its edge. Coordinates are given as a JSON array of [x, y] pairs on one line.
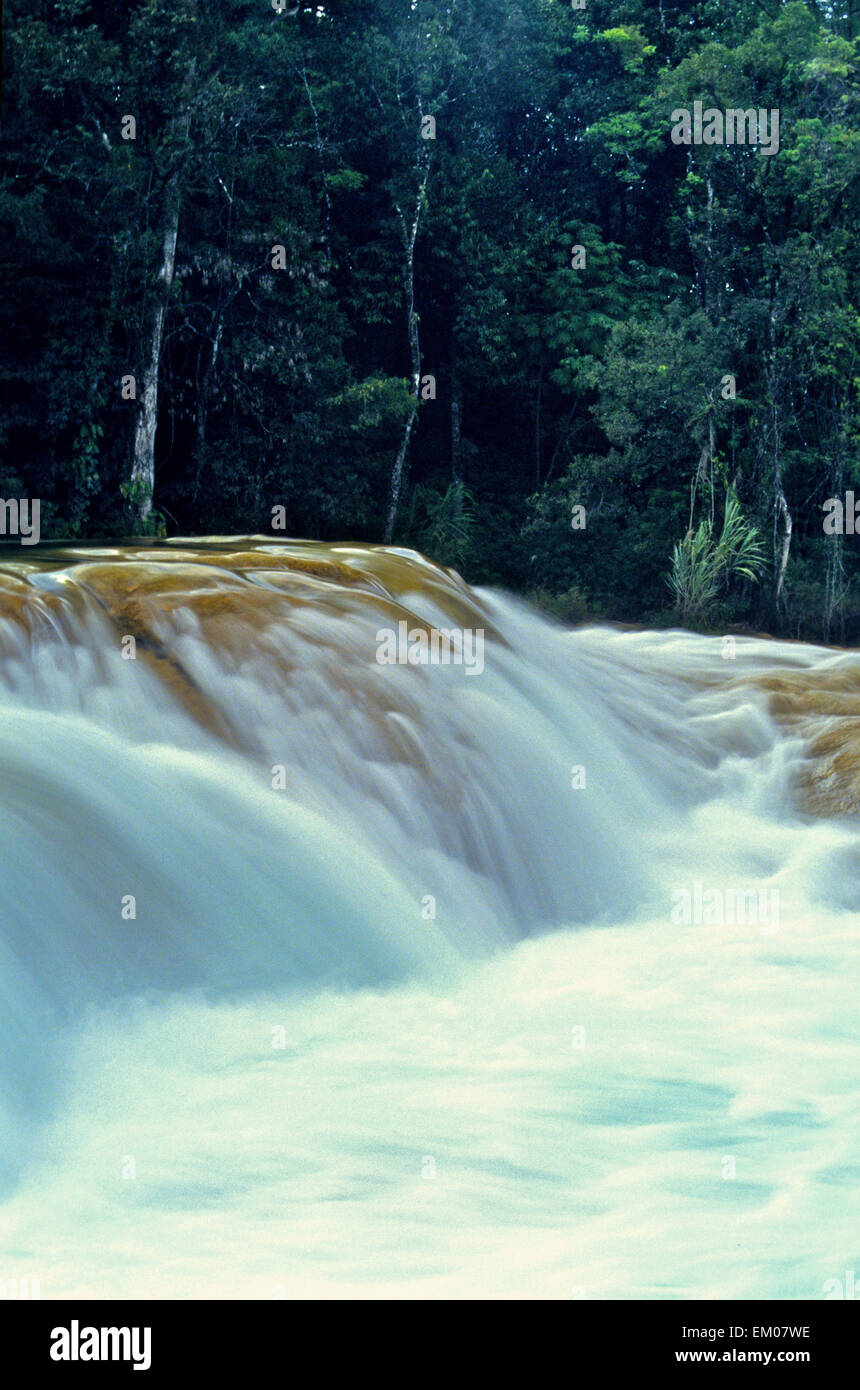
[[143, 463], [781, 514], [400, 461], [782, 548], [409, 238], [787, 527], [204, 392]]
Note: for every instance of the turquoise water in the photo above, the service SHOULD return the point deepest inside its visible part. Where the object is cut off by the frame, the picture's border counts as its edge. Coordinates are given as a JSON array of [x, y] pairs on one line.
[[419, 1023]]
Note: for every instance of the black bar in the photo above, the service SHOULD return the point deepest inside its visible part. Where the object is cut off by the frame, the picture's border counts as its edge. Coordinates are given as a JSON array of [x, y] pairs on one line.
[[212, 1340]]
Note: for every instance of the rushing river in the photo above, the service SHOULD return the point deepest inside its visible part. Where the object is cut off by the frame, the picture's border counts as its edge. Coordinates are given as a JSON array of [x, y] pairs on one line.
[[326, 976]]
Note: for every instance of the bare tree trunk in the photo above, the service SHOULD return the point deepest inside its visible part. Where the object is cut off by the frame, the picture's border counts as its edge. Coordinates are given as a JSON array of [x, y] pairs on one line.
[[781, 550], [782, 563], [409, 238], [203, 398], [781, 512], [143, 463], [700, 473], [397, 477]]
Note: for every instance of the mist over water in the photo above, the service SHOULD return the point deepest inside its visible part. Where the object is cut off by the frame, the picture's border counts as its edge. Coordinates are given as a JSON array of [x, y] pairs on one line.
[[324, 1086]]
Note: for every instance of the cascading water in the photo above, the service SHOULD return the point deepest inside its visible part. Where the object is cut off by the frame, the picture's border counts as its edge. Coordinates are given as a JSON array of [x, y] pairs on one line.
[[326, 976]]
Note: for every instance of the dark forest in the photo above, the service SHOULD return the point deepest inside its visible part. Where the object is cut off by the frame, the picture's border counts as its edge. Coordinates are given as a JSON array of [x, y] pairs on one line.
[[437, 274]]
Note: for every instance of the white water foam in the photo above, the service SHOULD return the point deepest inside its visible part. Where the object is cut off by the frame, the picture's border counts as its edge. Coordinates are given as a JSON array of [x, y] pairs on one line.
[[533, 1095]]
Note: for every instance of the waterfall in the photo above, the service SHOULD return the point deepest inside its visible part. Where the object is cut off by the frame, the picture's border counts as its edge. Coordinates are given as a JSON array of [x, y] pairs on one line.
[[291, 926]]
